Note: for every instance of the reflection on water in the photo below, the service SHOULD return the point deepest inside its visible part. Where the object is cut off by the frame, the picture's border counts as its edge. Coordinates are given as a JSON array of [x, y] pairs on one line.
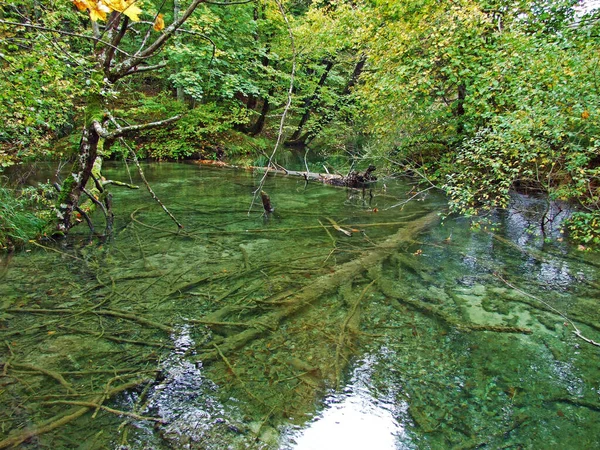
[[355, 419], [234, 332]]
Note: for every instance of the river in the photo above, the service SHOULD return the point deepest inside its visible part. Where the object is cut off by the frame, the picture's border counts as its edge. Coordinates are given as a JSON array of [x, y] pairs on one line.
[[343, 320]]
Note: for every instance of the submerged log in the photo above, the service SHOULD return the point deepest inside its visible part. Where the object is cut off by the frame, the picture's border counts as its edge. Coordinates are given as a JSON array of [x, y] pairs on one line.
[[316, 290]]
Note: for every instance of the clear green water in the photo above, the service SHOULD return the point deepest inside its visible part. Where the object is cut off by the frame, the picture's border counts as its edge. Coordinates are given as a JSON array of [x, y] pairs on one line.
[[382, 356]]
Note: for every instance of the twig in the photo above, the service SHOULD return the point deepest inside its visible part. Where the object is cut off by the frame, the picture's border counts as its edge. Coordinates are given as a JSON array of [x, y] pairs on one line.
[[137, 163], [66, 33], [328, 233], [104, 408], [577, 331], [404, 202], [54, 250]]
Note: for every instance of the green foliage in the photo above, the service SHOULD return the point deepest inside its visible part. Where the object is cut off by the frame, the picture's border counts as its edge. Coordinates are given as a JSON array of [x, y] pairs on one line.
[[584, 228], [197, 134], [38, 83], [23, 214], [481, 96], [240, 64], [485, 97]]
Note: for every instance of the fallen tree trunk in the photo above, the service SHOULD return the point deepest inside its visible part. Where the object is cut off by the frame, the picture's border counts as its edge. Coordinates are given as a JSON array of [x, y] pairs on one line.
[[352, 180], [316, 290]]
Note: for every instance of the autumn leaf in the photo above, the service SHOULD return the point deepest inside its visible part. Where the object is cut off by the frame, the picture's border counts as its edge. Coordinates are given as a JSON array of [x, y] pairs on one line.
[[159, 23], [97, 9], [585, 115], [100, 8], [81, 5]]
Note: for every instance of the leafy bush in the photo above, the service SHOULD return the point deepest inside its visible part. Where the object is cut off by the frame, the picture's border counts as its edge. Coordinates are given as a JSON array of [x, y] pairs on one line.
[[584, 228], [196, 134]]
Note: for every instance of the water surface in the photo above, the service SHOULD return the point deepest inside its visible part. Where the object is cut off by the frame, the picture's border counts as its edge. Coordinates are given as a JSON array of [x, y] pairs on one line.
[[246, 331]]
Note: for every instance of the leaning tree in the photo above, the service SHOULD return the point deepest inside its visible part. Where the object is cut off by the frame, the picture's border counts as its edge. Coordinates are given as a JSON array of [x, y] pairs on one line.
[[112, 63], [122, 45]]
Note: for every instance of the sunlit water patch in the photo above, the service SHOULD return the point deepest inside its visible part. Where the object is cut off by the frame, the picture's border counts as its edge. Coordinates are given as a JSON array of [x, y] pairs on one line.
[[354, 419]]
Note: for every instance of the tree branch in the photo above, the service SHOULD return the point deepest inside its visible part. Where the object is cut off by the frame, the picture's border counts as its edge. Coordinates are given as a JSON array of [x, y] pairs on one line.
[[141, 172], [115, 42], [139, 69], [242, 2], [66, 33], [122, 69], [144, 126]]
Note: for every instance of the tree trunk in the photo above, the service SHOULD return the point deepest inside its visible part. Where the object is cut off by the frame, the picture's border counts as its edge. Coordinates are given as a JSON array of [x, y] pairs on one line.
[[459, 111], [260, 122], [308, 104], [73, 186], [324, 120]]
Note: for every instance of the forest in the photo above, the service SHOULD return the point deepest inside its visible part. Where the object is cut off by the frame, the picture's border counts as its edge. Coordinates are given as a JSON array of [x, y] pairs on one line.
[[478, 99]]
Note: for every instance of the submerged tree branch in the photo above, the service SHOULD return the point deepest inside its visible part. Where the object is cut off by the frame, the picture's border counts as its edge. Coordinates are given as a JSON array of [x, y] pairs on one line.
[[576, 332], [65, 418]]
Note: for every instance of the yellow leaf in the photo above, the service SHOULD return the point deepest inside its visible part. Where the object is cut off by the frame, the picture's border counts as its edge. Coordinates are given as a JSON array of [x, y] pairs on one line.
[[100, 8], [97, 9], [159, 23], [81, 5], [127, 7], [132, 11]]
